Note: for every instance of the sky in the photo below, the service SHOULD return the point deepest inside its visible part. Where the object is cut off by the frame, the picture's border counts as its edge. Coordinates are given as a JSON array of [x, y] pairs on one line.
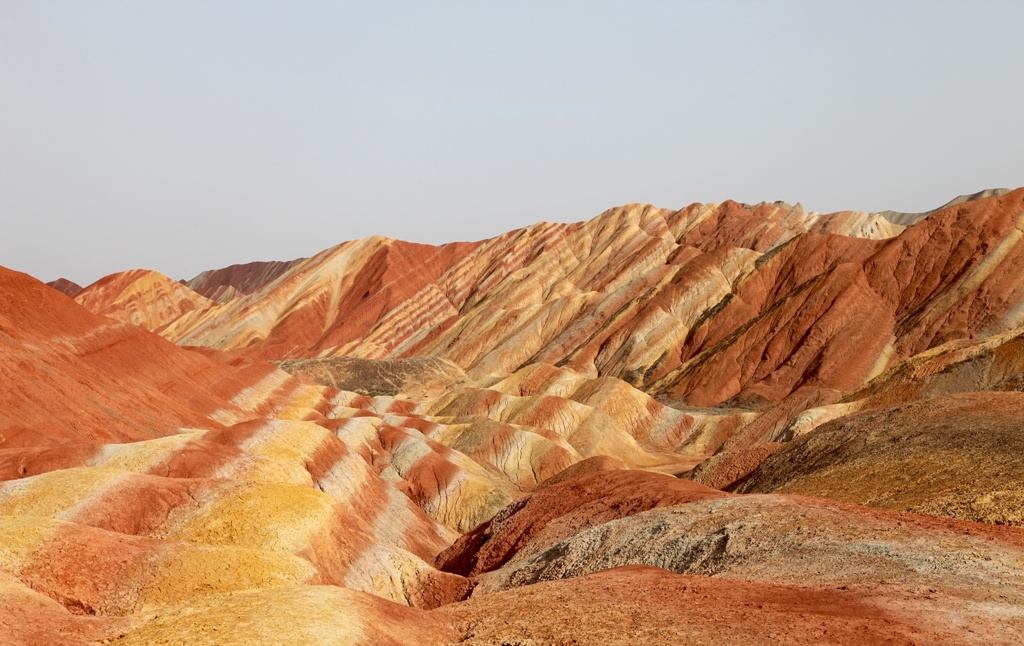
[[189, 135]]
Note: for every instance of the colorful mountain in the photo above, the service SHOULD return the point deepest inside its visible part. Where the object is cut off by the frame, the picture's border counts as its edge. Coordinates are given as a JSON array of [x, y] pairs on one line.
[[729, 424]]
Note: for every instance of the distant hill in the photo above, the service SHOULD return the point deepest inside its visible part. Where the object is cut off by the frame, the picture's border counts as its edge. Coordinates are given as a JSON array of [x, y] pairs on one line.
[[65, 286]]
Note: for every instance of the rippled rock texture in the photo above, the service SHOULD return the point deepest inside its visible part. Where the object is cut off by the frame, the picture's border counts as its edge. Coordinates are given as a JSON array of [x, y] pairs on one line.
[[726, 424]]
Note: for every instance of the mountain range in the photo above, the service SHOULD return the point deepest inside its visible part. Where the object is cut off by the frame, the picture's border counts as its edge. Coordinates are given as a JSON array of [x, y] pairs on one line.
[[728, 423]]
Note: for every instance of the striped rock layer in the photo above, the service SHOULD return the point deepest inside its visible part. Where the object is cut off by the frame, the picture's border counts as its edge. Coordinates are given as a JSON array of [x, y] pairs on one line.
[[751, 307], [478, 440], [145, 298]]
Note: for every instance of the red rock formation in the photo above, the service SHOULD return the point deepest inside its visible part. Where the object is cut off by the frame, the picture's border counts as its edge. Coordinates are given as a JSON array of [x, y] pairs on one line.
[[67, 374], [732, 303], [648, 605]]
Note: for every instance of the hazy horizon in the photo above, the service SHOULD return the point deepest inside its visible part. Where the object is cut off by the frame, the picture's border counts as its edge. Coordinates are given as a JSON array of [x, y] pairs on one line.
[[190, 136]]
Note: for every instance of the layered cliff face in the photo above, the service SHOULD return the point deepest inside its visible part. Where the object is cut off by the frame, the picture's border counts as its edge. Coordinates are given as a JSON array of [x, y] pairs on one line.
[[478, 443]]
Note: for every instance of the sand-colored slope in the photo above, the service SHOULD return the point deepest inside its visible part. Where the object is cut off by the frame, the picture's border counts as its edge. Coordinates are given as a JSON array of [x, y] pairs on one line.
[[293, 503], [958, 456]]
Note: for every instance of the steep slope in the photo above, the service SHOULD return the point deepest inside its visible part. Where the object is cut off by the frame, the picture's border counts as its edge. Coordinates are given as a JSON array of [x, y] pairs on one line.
[[68, 375], [333, 297], [566, 265], [709, 305], [951, 276]]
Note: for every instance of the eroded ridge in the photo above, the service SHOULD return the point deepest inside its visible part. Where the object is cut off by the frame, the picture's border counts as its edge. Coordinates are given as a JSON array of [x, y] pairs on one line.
[[725, 424]]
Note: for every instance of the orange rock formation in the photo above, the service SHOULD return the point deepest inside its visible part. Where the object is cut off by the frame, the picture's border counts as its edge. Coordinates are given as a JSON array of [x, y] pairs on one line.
[[479, 443]]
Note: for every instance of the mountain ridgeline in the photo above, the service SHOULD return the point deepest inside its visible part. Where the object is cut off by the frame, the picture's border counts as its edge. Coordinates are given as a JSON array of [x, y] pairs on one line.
[[729, 423]]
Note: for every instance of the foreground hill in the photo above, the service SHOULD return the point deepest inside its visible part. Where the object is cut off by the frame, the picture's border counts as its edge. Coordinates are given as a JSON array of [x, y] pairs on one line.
[[960, 456], [70, 375], [475, 443]]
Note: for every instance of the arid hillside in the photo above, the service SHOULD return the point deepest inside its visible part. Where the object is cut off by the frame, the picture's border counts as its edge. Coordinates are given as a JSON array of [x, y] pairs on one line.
[[727, 424]]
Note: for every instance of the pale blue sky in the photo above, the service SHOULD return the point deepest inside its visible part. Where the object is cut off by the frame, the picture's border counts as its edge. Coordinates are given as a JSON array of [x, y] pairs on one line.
[[181, 136]]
